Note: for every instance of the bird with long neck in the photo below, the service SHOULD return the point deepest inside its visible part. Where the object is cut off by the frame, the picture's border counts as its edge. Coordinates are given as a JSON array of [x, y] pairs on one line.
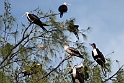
[[72, 51], [34, 19], [63, 8]]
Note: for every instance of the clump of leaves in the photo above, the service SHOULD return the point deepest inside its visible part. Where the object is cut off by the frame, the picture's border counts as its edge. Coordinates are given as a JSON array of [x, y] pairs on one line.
[[6, 49]]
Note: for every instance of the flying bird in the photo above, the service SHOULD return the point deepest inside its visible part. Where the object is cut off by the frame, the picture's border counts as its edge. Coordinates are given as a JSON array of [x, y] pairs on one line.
[[77, 75], [63, 8], [97, 55], [72, 51], [34, 19]]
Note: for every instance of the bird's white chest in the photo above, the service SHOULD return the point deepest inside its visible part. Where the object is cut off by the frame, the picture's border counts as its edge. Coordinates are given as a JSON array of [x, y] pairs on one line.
[[66, 47], [29, 18], [95, 52], [74, 72]]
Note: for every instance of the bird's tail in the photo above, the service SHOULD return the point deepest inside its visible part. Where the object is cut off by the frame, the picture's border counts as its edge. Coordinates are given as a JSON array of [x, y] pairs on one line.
[[81, 56], [45, 24], [43, 27]]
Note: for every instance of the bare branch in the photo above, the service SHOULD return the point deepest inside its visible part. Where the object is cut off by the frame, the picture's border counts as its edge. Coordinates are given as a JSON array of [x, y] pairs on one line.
[[55, 67], [113, 74]]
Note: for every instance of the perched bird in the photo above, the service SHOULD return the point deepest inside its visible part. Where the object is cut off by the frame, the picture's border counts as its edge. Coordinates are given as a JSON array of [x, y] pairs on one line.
[[97, 55], [76, 30], [72, 51], [63, 8], [34, 19], [77, 76], [72, 27]]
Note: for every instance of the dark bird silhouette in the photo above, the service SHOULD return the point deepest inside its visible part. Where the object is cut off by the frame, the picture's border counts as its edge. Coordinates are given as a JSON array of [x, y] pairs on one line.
[[34, 19], [72, 51], [76, 31], [63, 8], [97, 55]]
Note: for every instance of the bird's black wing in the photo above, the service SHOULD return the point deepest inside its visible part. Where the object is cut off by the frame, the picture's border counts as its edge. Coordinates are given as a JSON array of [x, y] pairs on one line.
[[80, 77], [101, 55], [73, 79], [33, 17], [74, 50]]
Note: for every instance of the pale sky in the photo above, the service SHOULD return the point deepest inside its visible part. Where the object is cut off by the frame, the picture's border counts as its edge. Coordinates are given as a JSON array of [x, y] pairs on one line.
[[105, 17]]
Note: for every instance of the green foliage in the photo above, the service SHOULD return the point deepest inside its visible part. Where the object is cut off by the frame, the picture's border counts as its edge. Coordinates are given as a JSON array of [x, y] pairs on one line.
[[119, 77], [22, 50], [6, 50], [4, 78]]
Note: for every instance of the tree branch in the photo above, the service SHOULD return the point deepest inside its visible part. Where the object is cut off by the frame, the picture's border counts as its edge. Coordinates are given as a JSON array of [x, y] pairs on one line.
[[14, 47], [55, 67], [113, 74]]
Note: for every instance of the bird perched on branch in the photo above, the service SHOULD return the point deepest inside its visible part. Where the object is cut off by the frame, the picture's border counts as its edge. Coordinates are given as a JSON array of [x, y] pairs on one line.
[[34, 19], [76, 74], [97, 55], [72, 51], [63, 8]]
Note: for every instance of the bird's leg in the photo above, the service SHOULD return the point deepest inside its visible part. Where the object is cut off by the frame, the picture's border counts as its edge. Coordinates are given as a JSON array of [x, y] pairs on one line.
[[104, 72], [103, 67], [70, 55], [32, 21]]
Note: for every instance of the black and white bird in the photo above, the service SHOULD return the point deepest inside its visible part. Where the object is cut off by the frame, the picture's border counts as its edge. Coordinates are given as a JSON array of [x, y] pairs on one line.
[[63, 8], [77, 76], [34, 19], [72, 51], [97, 55]]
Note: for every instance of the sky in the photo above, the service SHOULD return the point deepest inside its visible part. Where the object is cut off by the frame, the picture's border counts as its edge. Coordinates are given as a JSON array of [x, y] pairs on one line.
[[105, 17]]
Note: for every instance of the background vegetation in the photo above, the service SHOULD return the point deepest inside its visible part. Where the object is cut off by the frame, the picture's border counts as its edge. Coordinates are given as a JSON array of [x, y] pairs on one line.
[[22, 47]]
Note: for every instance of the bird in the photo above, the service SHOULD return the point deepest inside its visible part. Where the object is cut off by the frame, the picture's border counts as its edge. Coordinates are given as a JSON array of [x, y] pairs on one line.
[[77, 75], [34, 19], [76, 30], [97, 55], [72, 51], [63, 8]]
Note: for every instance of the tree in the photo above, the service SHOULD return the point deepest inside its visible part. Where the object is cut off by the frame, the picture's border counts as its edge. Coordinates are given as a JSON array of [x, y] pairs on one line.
[[22, 47]]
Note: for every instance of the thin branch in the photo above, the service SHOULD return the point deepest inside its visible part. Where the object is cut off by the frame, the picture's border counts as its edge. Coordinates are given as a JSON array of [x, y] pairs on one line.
[[113, 74], [55, 67], [14, 48], [26, 30]]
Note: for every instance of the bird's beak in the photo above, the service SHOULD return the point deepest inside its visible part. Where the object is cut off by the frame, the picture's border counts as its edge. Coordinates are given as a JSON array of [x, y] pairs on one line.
[[68, 4], [24, 15], [64, 43], [90, 44]]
